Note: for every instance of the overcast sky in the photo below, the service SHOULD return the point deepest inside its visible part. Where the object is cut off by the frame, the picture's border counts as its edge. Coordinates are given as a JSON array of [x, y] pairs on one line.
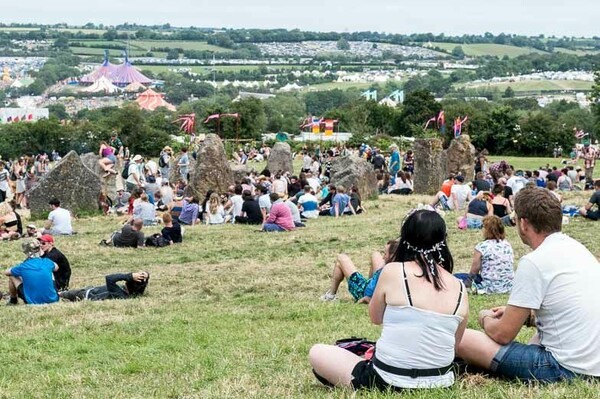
[[530, 17]]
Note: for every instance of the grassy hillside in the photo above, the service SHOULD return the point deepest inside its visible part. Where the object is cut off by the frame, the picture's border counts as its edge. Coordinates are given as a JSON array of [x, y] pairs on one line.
[[478, 50], [538, 85]]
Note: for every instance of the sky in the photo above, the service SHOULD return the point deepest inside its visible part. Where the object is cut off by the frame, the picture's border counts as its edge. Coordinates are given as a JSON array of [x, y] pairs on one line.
[[529, 17]]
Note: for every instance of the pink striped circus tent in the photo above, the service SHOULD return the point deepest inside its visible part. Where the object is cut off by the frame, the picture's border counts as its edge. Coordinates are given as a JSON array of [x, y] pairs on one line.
[[105, 70], [126, 74], [150, 100]]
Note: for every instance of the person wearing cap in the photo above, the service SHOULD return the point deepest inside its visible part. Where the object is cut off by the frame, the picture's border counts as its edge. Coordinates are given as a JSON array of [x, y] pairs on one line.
[[164, 162], [32, 232], [134, 174], [32, 279], [63, 274], [116, 143]]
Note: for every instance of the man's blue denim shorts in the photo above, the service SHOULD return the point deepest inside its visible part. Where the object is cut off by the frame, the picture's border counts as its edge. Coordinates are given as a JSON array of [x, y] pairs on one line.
[[529, 363]]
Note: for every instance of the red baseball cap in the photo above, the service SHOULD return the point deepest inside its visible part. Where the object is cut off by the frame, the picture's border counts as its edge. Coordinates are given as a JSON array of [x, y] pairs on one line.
[[47, 238]]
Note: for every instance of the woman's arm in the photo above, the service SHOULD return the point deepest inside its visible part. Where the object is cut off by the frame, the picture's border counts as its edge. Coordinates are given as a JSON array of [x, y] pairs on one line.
[[476, 263], [490, 209]]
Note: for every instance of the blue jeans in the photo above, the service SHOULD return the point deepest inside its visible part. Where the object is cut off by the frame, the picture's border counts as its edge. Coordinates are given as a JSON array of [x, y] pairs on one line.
[[272, 227], [529, 363]]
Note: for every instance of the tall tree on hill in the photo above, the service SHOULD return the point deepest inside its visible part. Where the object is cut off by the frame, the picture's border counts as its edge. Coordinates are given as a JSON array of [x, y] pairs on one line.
[[595, 99], [418, 107]]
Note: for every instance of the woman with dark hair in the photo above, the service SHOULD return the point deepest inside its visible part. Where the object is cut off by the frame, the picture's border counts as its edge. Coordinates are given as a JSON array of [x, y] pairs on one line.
[[204, 206], [423, 309], [135, 285], [501, 205]]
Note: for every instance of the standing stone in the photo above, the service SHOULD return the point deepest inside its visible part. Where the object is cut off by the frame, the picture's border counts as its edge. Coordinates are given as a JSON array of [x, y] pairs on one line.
[[174, 174], [280, 158], [351, 171], [240, 172], [460, 157], [110, 184], [74, 184], [90, 160], [212, 170], [430, 166]]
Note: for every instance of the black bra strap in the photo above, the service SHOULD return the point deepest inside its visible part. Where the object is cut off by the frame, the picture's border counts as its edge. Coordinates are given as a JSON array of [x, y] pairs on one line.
[[406, 286], [459, 298]]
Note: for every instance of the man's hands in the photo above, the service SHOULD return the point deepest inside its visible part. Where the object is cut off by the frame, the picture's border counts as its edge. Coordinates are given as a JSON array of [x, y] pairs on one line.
[[493, 313], [139, 276]]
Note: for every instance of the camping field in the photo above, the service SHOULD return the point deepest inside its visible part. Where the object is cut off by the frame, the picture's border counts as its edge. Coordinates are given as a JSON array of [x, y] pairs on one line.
[[230, 313], [488, 49], [535, 85]]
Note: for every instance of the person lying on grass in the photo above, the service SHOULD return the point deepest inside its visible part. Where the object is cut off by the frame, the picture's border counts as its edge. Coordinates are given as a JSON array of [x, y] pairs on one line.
[[135, 285], [555, 288], [360, 288], [423, 309]]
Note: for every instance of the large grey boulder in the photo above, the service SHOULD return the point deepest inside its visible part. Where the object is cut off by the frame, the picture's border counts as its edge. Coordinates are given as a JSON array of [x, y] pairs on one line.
[[280, 158], [74, 184], [351, 171], [111, 183], [240, 172], [430, 166], [460, 157], [211, 170]]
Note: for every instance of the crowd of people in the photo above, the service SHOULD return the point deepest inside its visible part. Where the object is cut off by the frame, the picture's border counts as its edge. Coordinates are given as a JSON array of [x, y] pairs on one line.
[[410, 289]]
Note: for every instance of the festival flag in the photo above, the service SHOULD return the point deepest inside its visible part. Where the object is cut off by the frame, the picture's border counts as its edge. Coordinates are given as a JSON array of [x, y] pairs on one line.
[[188, 122], [579, 134], [16, 119], [329, 123], [429, 121], [236, 115], [306, 122], [211, 117], [9, 119], [441, 122], [316, 125], [30, 117], [458, 126]]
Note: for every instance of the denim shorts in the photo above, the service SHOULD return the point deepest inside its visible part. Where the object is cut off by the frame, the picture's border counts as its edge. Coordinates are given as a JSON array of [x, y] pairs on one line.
[[529, 363], [473, 223]]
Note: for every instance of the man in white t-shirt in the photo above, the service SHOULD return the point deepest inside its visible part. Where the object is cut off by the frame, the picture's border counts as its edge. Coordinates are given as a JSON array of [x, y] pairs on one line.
[[460, 194], [59, 220], [236, 202], [555, 289], [516, 182], [306, 162], [134, 174], [309, 204]]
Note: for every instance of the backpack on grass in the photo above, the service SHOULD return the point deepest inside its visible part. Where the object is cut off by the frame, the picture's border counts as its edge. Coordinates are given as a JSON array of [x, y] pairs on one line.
[[358, 346], [156, 240]]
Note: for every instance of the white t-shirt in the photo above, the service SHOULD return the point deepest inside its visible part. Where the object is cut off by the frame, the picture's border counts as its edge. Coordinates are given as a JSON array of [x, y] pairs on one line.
[[559, 280], [314, 183], [4, 175], [264, 202], [516, 183], [294, 210], [237, 202], [132, 170], [61, 221], [463, 192]]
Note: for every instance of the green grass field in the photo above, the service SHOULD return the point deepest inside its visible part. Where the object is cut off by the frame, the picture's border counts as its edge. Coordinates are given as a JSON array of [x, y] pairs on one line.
[[225, 68], [112, 52], [337, 85], [230, 313], [536, 85], [186, 45], [483, 49]]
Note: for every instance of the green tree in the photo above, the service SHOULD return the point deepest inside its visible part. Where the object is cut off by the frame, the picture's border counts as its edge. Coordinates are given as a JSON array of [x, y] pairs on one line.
[[509, 92], [252, 119], [419, 106], [458, 52], [595, 100], [110, 35], [343, 44]]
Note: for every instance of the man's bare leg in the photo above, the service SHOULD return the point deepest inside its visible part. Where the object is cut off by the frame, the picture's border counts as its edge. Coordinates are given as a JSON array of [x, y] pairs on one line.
[[477, 348]]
